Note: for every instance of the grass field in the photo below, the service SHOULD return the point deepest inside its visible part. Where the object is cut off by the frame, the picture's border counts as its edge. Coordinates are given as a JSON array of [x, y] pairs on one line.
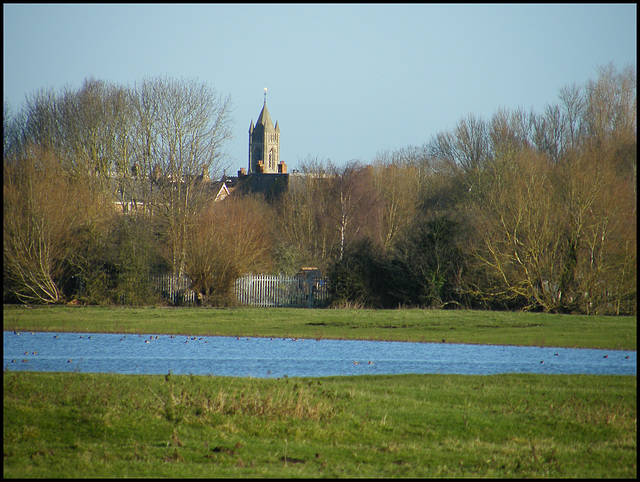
[[107, 425], [90, 425]]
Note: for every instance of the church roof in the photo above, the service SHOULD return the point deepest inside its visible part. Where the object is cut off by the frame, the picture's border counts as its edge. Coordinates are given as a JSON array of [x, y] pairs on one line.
[[271, 186], [265, 118]]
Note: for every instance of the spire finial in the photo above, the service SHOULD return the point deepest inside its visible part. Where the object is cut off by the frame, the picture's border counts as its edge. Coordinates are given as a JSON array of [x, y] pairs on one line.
[[265, 95]]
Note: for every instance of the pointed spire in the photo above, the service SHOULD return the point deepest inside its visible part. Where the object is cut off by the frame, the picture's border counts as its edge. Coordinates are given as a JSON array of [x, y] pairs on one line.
[[265, 118]]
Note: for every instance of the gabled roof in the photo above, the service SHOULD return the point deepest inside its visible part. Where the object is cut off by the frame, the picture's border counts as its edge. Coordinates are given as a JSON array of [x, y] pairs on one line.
[[222, 190]]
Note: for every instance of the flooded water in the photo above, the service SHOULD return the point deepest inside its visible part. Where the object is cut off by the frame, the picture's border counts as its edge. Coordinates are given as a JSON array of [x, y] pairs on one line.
[[278, 357]]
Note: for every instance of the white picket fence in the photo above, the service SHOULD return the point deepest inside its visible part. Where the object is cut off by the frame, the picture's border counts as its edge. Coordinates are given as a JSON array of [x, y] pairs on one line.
[[282, 291], [175, 288], [254, 290]]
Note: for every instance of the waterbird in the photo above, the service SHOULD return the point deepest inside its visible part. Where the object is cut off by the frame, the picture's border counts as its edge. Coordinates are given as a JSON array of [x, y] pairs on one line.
[[25, 361], [555, 354], [147, 341], [370, 363], [541, 361], [606, 356], [356, 363], [627, 357], [69, 360], [55, 336]]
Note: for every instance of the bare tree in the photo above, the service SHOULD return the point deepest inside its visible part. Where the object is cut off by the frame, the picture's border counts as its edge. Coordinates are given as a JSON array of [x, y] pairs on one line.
[[42, 126], [611, 101], [45, 215], [12, 131], [572, 104], [467, 148], [353, 208], [472, 143], [397, 180], [599, 214], [550, 132], [509, 132], [556, 236], [229, 239], [518, 224], [88, 129], [303, 216], [185, 138]]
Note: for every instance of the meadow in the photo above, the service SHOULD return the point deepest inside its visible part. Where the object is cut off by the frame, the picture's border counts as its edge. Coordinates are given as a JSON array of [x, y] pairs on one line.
[[514, 425]]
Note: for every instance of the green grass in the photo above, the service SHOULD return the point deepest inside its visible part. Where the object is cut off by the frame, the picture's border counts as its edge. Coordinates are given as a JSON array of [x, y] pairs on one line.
[[464, 326], [105, 425]]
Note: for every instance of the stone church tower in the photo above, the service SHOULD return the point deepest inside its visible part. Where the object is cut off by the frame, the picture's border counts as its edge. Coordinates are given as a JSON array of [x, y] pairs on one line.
[[264, 145]]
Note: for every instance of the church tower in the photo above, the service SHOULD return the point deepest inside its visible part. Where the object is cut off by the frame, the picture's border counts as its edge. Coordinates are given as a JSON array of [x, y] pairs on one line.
[[264, 145]]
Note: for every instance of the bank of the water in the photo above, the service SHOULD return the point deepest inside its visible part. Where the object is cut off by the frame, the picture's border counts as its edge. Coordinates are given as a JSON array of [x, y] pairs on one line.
[[435, 326]]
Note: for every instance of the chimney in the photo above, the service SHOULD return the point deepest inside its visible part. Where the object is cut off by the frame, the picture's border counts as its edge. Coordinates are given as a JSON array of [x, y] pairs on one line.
[[282, 168]]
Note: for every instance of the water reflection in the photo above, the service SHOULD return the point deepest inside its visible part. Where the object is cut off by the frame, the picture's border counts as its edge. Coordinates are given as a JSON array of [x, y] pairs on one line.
[[277, 357]]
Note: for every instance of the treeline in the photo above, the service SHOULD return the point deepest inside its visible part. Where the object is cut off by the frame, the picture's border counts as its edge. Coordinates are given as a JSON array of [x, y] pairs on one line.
[[525, 210]]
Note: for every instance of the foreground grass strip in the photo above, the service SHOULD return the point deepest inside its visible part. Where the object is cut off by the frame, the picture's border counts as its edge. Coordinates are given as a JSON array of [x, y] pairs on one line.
[[464, 326], [105, 425]]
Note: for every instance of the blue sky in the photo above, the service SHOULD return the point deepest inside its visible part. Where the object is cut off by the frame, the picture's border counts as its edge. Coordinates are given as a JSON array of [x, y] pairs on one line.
[[344, 81]]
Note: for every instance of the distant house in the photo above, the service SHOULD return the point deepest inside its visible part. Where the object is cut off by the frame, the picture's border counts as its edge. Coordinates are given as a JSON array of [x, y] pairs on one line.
[[221, 189], [137, 194], [266, 173]]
